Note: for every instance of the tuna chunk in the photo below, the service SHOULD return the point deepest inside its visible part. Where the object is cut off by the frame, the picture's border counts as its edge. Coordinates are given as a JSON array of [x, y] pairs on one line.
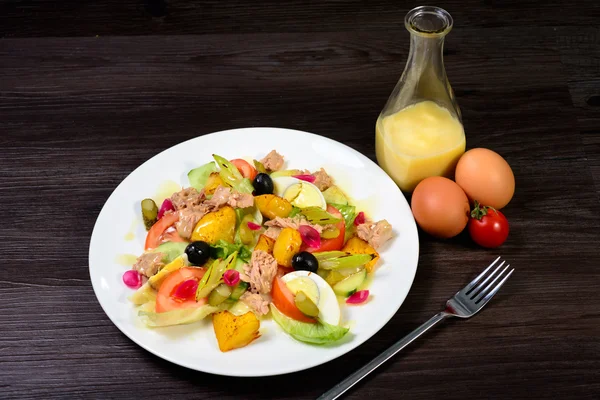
[[219, 198], [376, 233], [224, 195], [260, 272], [273, 232], [188, 218], [187, 198], [148, 264], [322, 180], [259, 303], [273, 161], [241, 200]]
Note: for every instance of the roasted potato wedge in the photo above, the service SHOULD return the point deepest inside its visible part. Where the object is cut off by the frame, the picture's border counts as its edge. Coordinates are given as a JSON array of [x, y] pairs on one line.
[[271, 206], [215, 226], [213, 182], [233, 331], [265, 243], [287, 244]]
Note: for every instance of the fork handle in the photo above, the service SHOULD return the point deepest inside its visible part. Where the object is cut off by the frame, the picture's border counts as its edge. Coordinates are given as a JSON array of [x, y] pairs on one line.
[[354, 378]]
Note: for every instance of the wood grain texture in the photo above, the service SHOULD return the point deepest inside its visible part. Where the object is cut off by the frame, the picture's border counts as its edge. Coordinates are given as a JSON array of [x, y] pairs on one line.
[[35, 18], [79, 113]]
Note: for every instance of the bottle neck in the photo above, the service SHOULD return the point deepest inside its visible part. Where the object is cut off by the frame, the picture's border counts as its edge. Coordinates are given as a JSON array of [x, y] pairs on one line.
[[426, 58]]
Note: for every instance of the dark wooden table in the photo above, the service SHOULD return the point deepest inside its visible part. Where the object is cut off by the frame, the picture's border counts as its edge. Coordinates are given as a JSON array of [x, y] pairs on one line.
[[91, 89]]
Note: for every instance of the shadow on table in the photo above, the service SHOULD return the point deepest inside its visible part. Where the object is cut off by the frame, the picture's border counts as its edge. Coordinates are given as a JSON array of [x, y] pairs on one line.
[[311, 383]]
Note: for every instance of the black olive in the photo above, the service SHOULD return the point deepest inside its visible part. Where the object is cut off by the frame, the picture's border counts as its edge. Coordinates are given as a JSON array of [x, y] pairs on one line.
[[263, 184], [197, 252], [305, 261]]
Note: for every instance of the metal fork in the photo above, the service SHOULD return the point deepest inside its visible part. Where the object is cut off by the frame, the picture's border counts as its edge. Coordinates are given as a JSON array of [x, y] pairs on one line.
[[466, 303]]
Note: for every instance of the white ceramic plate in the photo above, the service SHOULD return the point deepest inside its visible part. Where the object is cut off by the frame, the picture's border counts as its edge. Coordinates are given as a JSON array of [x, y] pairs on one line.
[[119, 231]]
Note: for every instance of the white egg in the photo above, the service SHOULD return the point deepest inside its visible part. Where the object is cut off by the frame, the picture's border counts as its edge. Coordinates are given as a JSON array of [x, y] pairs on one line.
[[298, 192], [329, 308]]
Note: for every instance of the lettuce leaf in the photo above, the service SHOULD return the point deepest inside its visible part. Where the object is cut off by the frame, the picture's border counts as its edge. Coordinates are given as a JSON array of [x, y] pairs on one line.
[[143, 295], [199, 176], [348, 212], [171, 250], [223, 249], [176, 317], [318, 333]]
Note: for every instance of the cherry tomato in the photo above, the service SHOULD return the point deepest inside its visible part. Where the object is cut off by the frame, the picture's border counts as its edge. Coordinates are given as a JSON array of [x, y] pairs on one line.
[[247, 170], [488, 227]]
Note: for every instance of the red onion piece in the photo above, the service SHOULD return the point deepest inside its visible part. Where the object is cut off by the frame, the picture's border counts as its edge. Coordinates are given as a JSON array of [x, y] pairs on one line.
[[360, 219], [231, 277], [253, 226], [310, 236], [305, 177], [167, 205], [358, 298], [132, 279], [186, 290]]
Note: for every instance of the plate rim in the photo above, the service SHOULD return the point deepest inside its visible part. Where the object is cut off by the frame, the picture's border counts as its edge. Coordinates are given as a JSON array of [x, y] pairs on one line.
[[286, 370]]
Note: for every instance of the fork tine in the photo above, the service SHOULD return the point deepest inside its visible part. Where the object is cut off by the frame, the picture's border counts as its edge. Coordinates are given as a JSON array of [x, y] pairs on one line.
[[474, 282], [477, 290], [485, 291]]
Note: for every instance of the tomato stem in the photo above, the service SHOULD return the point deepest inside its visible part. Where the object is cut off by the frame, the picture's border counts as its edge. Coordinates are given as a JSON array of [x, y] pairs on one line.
[[480, 211]]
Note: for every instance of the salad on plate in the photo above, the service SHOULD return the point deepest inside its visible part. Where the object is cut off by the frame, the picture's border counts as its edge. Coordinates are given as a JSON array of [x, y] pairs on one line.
[[249, 240]]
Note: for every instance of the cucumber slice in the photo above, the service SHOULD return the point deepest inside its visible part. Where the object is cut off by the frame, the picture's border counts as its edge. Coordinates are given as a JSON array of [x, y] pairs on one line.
[[219, 295], [349, 285], [335, 195], [171, 250], [337, 275], [238, 291]]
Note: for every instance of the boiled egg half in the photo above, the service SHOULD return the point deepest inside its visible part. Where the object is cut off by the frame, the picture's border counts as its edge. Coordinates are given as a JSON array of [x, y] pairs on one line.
[[318, 291], [298, 192]]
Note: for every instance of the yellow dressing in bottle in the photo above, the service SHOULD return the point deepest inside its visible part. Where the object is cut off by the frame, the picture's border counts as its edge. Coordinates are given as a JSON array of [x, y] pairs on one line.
[[419, 141], [419, 132]]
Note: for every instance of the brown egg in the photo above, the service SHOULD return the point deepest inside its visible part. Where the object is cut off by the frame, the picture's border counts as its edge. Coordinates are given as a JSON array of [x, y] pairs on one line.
[[440, 207], [486, 177]]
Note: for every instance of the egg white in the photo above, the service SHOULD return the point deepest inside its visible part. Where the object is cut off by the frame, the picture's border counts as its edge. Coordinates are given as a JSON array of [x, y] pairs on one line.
[[310, 194], [329, 308]]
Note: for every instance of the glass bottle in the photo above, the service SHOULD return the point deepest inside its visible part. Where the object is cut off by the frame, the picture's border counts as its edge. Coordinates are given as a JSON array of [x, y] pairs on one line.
[[419, 132]]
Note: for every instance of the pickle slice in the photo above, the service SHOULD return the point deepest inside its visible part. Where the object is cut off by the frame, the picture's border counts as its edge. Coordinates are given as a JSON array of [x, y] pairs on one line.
[[149, 213], [330, 233], [306, 305]]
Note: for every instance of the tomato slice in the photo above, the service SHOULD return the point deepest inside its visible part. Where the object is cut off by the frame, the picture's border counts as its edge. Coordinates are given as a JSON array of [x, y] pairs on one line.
[[155, 234], [284, 301], [247, 170], [171, 235], [331, 244], [165, 301]]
